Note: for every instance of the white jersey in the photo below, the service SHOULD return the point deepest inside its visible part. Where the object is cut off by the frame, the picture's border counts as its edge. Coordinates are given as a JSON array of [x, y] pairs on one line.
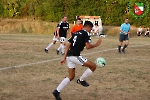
[[96, 29], [139, 29]]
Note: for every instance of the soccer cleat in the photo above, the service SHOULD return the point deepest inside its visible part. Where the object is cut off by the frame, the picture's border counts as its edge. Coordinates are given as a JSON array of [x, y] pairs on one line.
[[83, 83], [62, 53], [123, 51], [119, 52], [56, 95], [57, 52], [46, 50]]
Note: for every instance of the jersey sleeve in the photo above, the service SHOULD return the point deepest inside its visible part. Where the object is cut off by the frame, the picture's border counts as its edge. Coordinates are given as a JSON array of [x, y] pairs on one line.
[[87, 38], [68, 26], [129, 27], [73, 29], [58, 26], [121, 28]]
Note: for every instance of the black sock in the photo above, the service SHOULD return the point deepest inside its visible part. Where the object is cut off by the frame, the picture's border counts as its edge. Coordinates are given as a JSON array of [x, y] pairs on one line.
[[119, 47], [124, 47]]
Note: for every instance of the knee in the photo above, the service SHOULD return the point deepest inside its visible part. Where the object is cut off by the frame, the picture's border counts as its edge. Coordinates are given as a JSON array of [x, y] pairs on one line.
[[71, 77], [127, 43], [93, 67]]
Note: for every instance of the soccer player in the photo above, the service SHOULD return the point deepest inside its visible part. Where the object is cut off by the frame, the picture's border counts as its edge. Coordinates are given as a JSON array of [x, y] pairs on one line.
[[147, 32], [139, 31], [95, 29], [72, 55], [78, 26], [124, 35], [62, 29], [52, 43]]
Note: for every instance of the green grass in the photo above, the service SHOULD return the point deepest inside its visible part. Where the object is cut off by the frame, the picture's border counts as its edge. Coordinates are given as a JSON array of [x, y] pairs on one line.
[[125, 76]]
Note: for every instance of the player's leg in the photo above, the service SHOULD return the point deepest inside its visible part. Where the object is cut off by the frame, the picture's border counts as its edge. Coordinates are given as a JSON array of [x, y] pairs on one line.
[[63, 48], [91, 68], [63, 40], [126, 44], [80, 60], [145, 33], [51, 44], [121, 38], [65, 81], [61, 45], [57, 50], [138, 33]]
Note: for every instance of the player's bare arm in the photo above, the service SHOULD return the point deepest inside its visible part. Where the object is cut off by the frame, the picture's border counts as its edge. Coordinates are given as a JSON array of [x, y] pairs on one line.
[[57, 32], [90, 46], [69, 33], [66, 51]]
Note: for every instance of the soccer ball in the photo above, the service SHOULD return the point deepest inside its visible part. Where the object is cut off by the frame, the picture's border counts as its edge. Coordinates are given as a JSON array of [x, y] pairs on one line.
[[100, 62]]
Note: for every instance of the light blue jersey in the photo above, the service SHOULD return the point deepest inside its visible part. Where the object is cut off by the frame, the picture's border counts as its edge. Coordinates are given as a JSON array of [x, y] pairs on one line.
[[125, 28]]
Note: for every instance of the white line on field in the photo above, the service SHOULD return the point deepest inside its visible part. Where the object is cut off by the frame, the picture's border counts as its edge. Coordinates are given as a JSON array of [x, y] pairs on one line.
[[23, 65]]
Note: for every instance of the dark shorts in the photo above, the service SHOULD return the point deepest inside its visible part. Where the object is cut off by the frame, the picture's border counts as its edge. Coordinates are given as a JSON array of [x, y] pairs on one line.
[[123, 38], [147, 33], [139, 33]]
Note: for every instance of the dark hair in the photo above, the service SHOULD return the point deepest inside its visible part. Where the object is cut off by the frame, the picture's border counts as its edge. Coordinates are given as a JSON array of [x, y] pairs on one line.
[[88, 23], [127, 18], [63, 17], [78, 19]]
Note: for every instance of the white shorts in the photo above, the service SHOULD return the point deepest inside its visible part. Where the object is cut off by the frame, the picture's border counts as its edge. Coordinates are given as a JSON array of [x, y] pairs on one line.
[[55, 39], [73, 60], [62, 39]]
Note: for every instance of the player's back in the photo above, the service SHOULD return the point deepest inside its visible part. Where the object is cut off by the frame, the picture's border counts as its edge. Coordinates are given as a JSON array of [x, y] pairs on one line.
[[78, 41]]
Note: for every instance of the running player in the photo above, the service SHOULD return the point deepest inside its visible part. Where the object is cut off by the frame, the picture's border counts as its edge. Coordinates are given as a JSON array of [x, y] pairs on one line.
[[62, 29], [52, 43], [124, 35], [72, 54], [77, 27]]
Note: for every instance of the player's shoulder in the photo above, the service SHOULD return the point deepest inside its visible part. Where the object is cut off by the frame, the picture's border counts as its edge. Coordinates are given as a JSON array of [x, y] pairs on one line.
[[122, 24], [60, 22], [82, 31], [129, 24]]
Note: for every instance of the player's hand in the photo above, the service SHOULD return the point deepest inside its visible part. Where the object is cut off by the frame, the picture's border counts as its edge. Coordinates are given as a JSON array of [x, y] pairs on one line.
[[63, 61], [125, 33]]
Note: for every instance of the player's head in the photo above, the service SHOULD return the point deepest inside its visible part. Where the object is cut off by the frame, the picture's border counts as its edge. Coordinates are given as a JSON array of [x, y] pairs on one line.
[[88, 26], [126, 20], [64, 18], [79, 21]]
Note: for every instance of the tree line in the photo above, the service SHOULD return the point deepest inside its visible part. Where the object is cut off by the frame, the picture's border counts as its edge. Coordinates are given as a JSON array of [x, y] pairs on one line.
[[112, 12]]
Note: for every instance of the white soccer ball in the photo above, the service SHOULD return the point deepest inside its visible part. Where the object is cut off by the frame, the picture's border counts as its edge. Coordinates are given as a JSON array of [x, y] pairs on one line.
[[100, 62]]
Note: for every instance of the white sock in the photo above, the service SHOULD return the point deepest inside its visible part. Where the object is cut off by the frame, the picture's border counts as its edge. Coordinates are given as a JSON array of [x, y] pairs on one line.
[[51, 44], [59, 47], [63, 83], [63, 49], [87, 73]]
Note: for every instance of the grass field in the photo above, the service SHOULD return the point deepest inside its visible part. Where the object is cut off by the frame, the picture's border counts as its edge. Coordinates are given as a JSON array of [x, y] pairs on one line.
[[28, 73]]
